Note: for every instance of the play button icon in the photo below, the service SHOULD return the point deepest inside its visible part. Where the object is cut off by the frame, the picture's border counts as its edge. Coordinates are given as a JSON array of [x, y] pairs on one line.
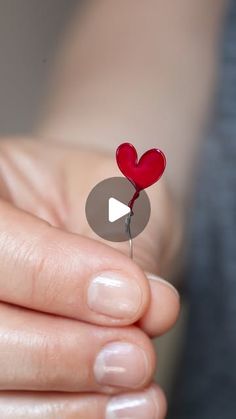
[[116, 210], [107, 209]]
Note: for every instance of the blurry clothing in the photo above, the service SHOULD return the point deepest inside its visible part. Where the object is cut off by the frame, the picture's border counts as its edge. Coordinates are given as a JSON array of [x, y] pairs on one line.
[[207, 385]]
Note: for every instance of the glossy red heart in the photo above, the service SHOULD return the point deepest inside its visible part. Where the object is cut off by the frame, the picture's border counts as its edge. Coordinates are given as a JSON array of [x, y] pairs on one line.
[[143, 172]]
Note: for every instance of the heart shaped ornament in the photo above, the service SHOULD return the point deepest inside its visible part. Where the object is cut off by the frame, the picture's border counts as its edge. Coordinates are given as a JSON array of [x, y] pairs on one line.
[[144, 172]]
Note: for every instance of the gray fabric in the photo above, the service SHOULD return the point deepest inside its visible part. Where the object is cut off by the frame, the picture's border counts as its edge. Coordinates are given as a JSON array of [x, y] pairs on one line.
[[207, 382]]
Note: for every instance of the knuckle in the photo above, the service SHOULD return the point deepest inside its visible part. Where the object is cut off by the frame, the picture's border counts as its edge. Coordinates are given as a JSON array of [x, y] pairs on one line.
[[51, 366], [42, 267], [59, 364]]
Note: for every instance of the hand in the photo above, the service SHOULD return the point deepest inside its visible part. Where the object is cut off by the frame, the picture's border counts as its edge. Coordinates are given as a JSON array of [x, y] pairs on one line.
[[65, 296]]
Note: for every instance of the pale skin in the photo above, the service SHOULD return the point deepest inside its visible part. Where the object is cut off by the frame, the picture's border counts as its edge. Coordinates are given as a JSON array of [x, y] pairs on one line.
[[65, 353]]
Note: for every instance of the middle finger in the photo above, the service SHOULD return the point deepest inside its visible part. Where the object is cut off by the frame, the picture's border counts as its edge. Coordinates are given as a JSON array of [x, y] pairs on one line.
[[44, 352]]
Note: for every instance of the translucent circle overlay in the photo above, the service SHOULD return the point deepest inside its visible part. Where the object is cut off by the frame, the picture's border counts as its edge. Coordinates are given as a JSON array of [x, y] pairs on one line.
[[97, 205]]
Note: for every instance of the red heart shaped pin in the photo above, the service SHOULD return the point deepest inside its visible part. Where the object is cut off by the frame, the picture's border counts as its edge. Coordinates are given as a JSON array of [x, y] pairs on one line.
[[143, 172]]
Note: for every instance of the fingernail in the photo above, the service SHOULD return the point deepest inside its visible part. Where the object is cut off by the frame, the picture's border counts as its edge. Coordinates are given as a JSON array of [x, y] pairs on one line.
[[121, 364], [136, 406], [163, 282], [114, 295]]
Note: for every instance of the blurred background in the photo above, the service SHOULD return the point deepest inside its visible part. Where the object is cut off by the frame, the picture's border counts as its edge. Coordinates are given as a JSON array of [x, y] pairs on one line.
[[30, 32]]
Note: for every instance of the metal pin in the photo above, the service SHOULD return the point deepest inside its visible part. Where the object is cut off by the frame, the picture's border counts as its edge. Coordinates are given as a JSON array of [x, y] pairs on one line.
[[128, 231]]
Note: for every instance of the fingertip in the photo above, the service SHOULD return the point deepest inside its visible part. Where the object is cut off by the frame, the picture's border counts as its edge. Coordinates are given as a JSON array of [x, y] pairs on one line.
[[161, 402]]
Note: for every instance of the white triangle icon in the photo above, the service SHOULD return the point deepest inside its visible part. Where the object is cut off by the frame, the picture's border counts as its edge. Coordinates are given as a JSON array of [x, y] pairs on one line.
[[116, 209]]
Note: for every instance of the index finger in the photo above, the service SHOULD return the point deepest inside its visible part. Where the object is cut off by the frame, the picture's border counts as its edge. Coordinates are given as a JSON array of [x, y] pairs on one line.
[[50, 270]]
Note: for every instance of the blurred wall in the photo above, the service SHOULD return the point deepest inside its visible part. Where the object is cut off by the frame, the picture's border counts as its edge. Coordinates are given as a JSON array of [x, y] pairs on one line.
[[29, 33]]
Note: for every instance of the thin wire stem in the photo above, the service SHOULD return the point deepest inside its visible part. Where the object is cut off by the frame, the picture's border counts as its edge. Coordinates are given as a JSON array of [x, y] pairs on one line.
[[128, 230]]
